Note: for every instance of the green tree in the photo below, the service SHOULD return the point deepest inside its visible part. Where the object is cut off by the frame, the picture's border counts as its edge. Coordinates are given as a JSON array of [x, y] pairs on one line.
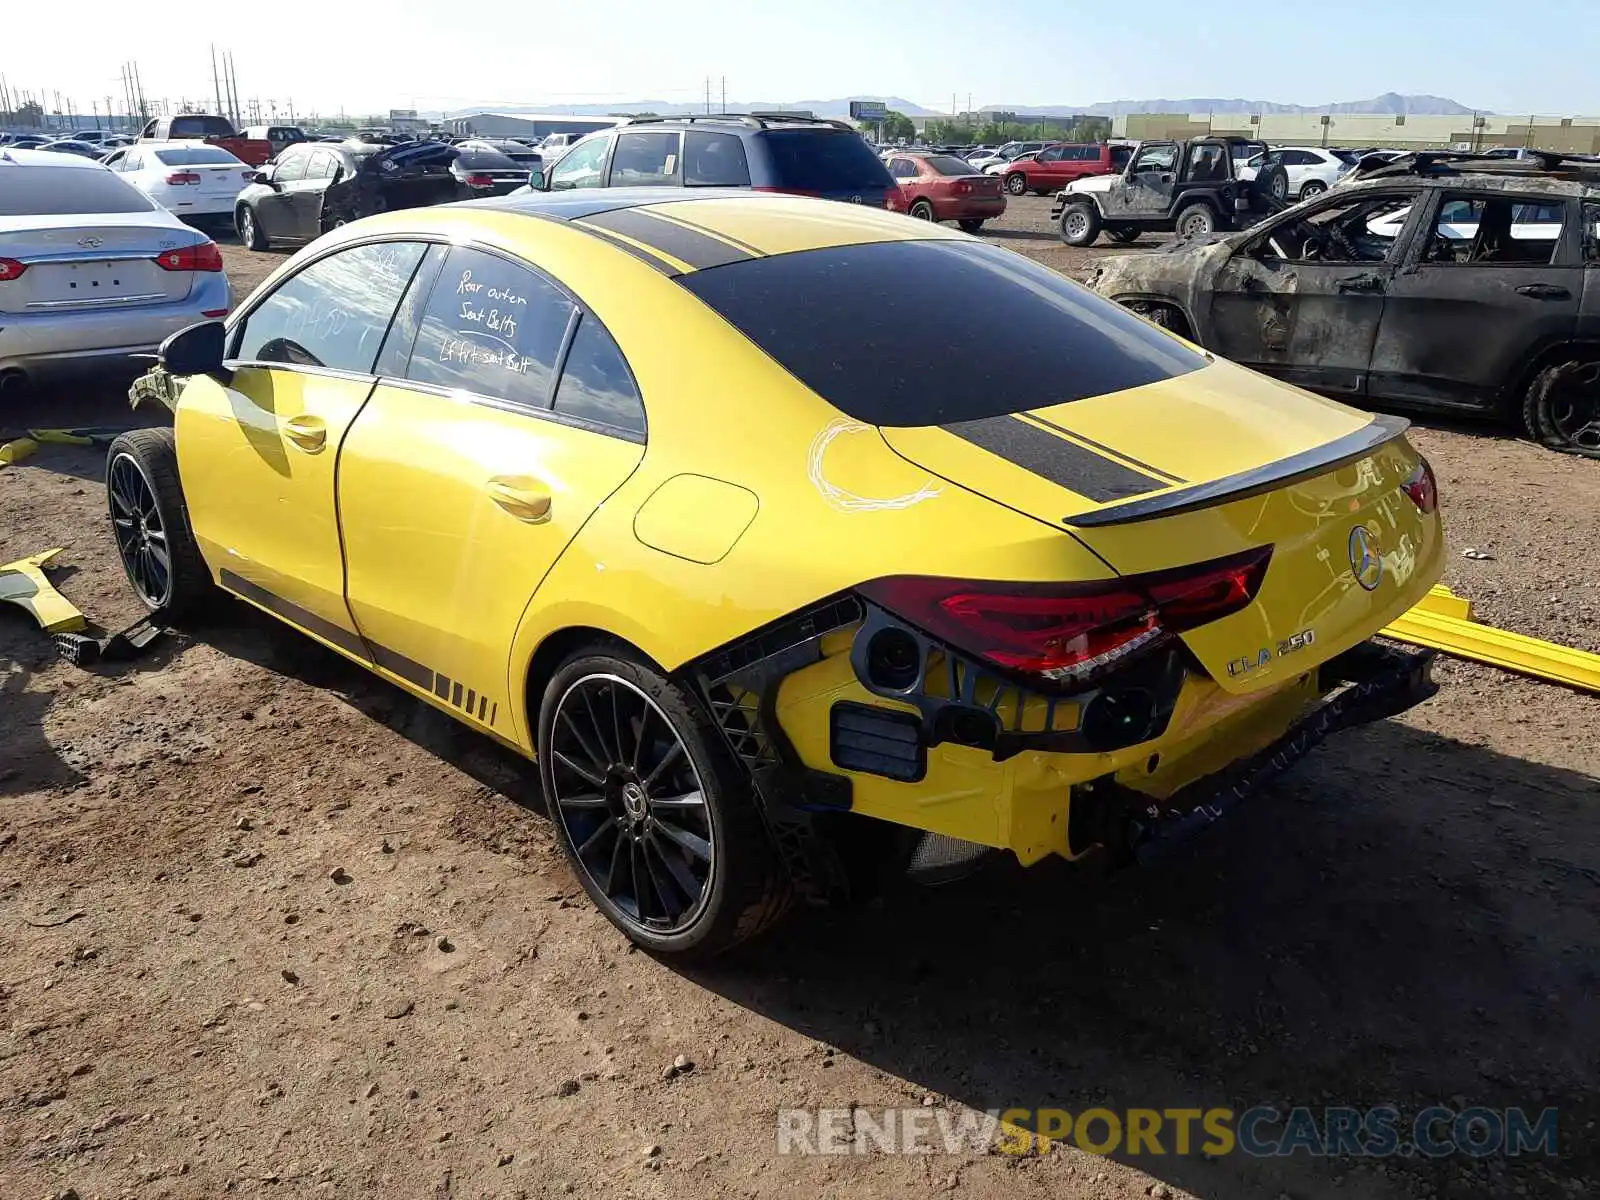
[[897, 125]]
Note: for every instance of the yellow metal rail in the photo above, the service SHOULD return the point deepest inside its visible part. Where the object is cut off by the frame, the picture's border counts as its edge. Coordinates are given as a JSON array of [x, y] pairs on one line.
[[1444, 622]]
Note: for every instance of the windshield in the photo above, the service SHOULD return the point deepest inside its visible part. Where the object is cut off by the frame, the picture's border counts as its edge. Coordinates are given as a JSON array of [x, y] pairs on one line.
[[824, 160], [197, 156], [33, 191], [912, 333]]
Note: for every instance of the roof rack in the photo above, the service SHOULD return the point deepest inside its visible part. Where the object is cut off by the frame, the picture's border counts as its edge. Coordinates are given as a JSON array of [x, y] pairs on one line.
[[754, 121], [1466, 162]]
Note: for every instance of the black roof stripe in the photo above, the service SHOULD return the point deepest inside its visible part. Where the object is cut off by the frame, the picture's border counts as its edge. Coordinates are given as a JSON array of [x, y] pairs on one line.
[[577, 203], [1068, 464], [670, 270], [699, 250]]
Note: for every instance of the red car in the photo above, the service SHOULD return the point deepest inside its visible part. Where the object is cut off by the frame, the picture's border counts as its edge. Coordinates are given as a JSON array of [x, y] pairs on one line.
[[1056, 166], [942, 187]]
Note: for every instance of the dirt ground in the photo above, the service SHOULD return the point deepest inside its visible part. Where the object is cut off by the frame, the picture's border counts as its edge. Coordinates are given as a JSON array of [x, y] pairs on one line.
[[268, 927]]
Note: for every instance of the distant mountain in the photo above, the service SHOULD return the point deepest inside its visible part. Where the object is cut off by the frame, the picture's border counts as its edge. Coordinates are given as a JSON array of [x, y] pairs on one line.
[[1388, 104]]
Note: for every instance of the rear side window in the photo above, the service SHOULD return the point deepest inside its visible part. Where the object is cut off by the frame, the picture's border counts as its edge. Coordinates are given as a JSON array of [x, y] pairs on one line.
[[332, 314], [66, 191], [493, 328], [934, 332], [596, 384], [643, 159], [823, 160], [714, 160]]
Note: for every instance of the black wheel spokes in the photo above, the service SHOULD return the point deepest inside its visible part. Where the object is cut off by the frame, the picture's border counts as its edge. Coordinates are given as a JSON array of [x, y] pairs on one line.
[[141, 537], [632, 803]]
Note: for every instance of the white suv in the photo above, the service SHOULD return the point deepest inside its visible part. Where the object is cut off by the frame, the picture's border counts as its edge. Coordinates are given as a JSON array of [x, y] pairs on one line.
[[1311, 170]]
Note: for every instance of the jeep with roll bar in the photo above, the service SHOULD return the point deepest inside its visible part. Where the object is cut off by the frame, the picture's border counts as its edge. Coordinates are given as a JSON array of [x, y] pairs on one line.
[[1190, 187]]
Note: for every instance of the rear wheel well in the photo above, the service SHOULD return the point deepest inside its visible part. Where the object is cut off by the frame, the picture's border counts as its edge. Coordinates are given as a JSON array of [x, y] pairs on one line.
[[560, 646], [1516, 389]]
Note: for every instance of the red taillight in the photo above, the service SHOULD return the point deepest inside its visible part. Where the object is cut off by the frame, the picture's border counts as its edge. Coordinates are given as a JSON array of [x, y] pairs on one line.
[[183, 177], [961, 187], [1070, 633], [11, 269], [480, 181], [895, 201], [204, 257], [1420, 485]]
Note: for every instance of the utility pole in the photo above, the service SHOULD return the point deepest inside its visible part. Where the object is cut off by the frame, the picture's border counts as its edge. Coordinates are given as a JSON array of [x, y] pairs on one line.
[[724, 93], [216, 86], [708, 94]]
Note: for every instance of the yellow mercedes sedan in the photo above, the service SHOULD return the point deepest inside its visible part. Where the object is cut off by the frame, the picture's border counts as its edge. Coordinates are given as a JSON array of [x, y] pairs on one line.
[[799, 544]]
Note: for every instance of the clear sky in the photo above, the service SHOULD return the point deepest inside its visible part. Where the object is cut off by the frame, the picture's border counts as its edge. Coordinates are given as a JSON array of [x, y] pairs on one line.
[[1511, 56]]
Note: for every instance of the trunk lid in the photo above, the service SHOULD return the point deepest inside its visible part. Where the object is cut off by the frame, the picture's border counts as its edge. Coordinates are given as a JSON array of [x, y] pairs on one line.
[[92, 262], [1209, 465]]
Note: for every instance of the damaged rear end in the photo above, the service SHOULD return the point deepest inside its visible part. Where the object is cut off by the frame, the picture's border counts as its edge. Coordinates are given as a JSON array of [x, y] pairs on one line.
[[1213, 553]]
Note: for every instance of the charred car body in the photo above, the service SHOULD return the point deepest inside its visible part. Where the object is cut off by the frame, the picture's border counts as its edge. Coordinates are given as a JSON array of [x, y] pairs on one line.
[[1440, 280], [313, 187], [1193, 188]]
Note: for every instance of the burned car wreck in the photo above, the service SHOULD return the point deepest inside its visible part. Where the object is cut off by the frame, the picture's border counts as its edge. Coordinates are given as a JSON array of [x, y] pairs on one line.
[[312, 187], [1442, 281]]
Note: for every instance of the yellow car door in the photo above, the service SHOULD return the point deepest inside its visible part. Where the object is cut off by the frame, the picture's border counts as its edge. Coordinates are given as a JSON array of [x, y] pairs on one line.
[[257, 453], [471, 468]]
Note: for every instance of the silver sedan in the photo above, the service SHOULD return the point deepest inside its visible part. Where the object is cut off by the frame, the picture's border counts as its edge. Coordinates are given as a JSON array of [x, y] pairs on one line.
[[92, 271]]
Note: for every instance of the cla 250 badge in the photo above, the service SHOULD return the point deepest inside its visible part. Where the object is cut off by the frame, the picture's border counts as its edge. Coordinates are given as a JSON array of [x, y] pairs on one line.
[[1263, 656]]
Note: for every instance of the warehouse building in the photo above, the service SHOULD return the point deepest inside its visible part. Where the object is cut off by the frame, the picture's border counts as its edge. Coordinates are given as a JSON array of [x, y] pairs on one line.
[[537, 125], [1570, 135]]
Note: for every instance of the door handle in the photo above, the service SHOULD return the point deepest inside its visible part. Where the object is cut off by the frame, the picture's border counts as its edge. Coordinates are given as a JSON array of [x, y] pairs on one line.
[[308, 432], [524, 499], [1361, 283], [1544, 291]]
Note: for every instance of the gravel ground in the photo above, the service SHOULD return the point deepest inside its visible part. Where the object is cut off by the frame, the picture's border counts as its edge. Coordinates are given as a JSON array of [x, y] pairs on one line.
[[269, 927]]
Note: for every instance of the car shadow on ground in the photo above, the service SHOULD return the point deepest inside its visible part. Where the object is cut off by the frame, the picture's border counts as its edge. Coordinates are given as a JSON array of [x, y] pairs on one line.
[[1407, 911]]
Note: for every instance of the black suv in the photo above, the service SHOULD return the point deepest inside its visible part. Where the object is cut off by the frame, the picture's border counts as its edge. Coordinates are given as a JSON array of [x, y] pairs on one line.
[[1189, 187], [802, 155], [1439, 280]]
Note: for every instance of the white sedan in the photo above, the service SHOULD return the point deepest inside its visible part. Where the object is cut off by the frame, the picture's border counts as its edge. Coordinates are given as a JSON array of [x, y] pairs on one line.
[[191, 179]]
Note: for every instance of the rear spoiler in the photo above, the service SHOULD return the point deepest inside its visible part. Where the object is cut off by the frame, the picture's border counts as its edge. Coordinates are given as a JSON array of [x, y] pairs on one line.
[[1380, 431]]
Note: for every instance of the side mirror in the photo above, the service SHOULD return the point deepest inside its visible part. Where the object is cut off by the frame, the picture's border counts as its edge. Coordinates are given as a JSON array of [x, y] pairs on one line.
[[536, 179], [195, 350]]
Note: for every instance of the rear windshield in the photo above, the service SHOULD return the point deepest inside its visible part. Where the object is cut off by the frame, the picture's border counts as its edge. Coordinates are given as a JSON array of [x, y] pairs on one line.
[[934, 332], [66, 191], [824, 160], [196, 156], [484, 160], [201, 127], [949, 164]]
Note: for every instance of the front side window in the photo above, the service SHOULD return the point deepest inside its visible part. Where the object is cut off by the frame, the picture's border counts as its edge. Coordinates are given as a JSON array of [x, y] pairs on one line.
[[580, 167], [334, 313], [491, 327], [1361, 230], [645, 159], [1495, 231], [714, 160], [596, 384], [1155, 158], [290, 167]]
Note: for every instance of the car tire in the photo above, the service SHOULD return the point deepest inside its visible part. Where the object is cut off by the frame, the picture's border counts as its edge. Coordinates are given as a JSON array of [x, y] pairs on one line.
[[1080, 223], [1196, 220], [621, 752], [249, 229], [922, 211], [1312, 187], [149, 519], [1561, 408], [970, 225], [1273, 183], [1123, 236], [1017, 183]]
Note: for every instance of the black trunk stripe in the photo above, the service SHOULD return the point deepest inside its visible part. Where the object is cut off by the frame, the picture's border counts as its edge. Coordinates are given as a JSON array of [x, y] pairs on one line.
[[638, 252], [1116, 454], [700, 250], [1050, 457], [347, 640]]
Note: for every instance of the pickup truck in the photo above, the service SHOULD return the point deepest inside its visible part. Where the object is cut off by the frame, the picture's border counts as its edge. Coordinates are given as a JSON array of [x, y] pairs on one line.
[[215, 131], [1193, 188], [277, 136]]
